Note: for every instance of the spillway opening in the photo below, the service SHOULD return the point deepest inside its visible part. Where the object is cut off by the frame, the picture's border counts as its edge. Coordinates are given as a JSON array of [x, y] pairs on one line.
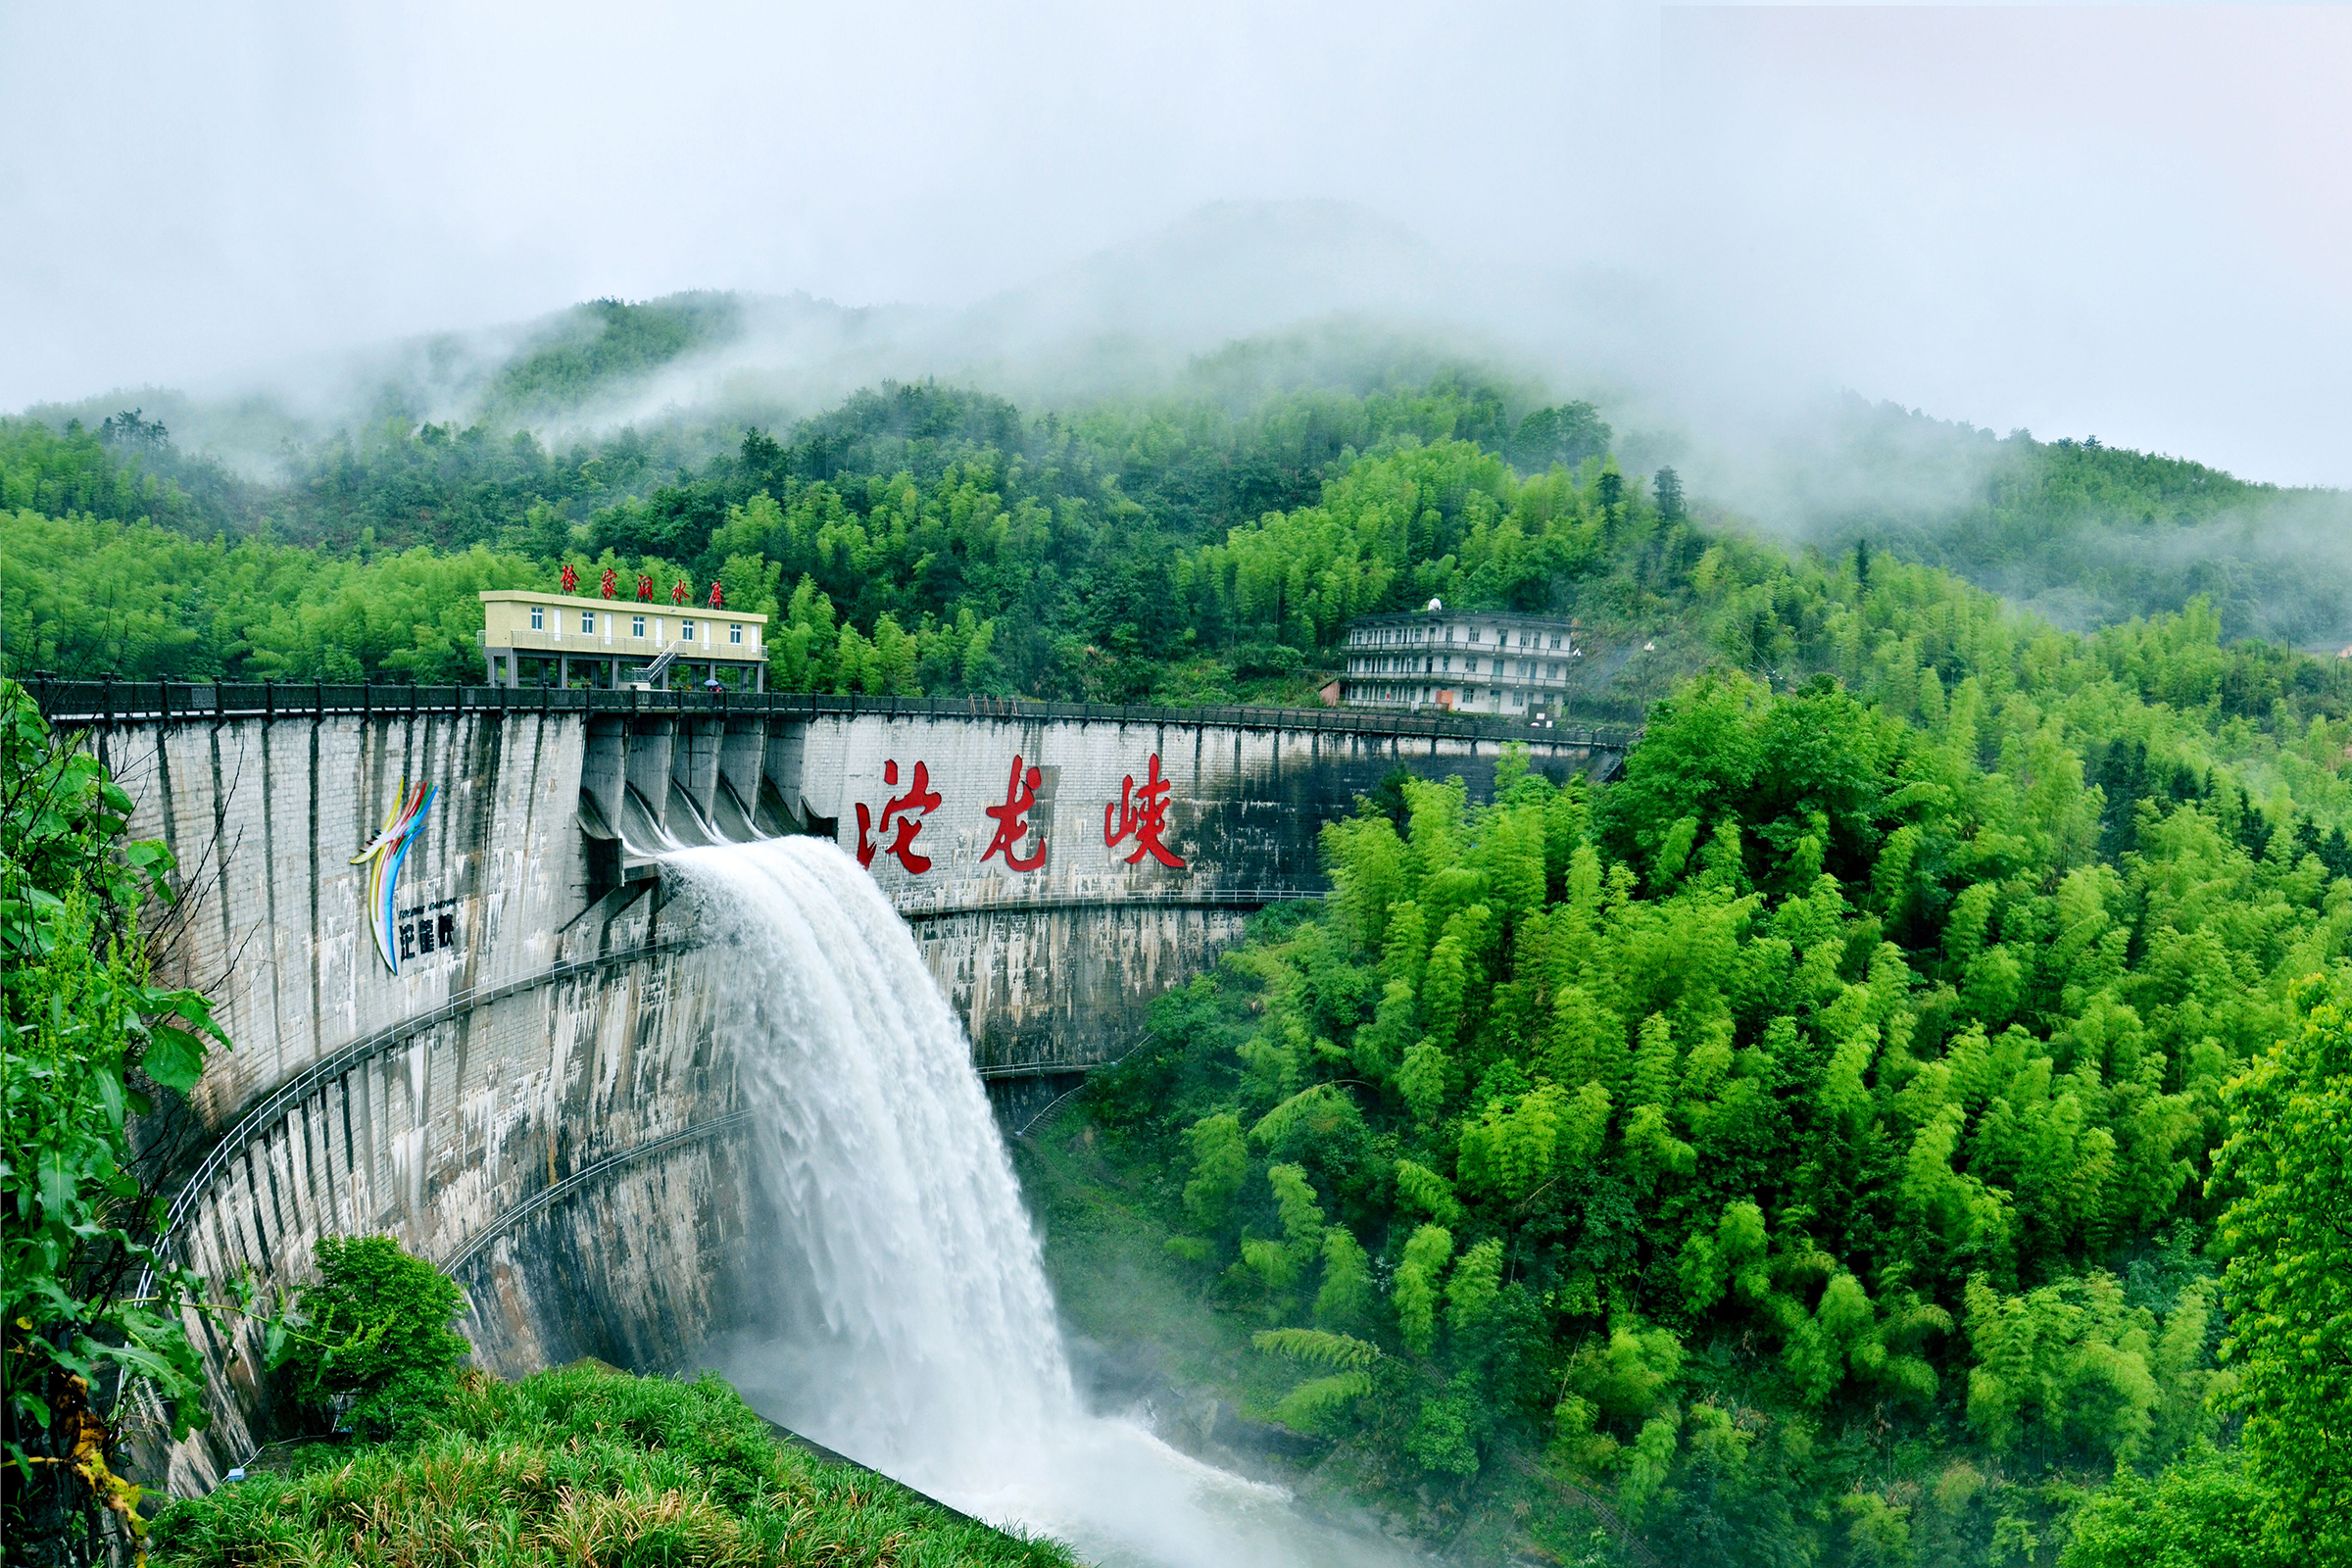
[[900, 1310]]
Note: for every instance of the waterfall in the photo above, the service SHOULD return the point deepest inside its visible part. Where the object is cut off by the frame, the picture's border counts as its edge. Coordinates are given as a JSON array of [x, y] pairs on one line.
[[913, 1325]]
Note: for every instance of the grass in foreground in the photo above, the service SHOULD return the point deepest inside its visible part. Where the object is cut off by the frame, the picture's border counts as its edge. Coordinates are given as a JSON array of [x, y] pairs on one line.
[[580, 1466]]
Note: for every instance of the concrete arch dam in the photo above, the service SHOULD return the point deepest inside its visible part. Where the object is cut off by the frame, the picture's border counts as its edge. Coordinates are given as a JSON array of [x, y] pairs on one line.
[[465, 1013]]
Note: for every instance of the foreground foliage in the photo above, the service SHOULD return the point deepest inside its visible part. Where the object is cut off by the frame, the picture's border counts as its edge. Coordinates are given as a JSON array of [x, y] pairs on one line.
[[576, 1466], [2204, 1512], [90, 1044]]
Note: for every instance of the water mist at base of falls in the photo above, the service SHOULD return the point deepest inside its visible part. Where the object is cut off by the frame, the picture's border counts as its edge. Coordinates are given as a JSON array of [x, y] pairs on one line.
[[910, 1324]]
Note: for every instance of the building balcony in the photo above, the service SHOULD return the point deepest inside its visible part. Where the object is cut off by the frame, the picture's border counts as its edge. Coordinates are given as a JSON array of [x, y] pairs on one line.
[[596, 645]]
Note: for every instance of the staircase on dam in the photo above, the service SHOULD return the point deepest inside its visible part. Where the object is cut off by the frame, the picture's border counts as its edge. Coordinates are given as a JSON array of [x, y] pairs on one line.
[[467, 1011]]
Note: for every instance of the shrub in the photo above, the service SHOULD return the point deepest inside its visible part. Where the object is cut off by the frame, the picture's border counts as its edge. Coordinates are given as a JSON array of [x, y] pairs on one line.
[[2204, 1512], [375, 1330]]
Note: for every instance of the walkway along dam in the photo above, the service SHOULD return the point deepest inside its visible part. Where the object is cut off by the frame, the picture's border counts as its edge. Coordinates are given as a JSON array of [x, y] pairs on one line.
[[466, 1013]]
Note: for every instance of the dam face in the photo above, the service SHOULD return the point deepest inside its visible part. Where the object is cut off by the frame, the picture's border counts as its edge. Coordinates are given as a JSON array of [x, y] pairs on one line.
[[465, 1014]]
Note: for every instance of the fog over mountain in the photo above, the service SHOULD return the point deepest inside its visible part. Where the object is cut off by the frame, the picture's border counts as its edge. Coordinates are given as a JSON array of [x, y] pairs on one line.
[[2119, 223]]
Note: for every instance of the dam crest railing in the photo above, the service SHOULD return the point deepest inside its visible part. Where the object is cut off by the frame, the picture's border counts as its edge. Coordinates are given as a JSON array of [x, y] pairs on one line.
[[102, 701]]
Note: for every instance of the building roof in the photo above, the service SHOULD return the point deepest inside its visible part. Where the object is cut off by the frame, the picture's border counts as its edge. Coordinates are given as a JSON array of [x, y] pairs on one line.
[[1515, 618], [663, 605]]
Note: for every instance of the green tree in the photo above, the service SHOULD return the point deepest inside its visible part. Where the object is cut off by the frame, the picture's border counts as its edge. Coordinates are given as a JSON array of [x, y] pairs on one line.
[[373, 1329], [1220, 1165], [2288, 1285], [2204, 1512]]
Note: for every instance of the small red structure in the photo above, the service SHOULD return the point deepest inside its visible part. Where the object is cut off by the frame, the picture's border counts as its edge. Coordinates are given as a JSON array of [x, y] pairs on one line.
[[679, 593], [718, 600], [571, 579], [644, 587], [612, 581]]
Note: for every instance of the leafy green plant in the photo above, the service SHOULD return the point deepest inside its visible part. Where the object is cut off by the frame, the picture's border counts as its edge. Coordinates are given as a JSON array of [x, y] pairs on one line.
[[2206, 1511], [89, 1043], [374, 1331]]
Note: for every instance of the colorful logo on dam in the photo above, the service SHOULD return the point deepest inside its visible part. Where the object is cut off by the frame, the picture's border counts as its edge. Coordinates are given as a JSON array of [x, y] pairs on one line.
[[383, 857]]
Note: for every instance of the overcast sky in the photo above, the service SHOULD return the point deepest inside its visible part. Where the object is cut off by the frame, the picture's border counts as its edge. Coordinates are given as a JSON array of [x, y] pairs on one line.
[[2126, 222]]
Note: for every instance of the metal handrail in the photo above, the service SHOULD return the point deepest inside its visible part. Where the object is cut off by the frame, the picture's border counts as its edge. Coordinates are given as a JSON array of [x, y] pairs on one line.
[[997, 1072], [83, 702], [507, 1219], [1165, 897]]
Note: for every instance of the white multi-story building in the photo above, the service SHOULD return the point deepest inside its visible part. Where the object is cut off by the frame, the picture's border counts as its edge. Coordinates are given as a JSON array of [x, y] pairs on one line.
[[1476, 661]]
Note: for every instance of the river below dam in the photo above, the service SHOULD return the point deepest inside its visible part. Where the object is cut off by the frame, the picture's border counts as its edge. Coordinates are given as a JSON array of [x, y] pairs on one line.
[[908, 1323]]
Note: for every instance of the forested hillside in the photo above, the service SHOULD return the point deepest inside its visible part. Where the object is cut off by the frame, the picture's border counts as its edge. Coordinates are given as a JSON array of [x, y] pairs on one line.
[[2085, 533], [1810, 1148], [1118, 550], [915, 539]]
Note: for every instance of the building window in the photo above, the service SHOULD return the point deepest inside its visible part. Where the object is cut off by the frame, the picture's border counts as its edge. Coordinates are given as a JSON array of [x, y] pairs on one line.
[[636, 626], [588, 620], [538, 618], [734, 634], [686, 630]]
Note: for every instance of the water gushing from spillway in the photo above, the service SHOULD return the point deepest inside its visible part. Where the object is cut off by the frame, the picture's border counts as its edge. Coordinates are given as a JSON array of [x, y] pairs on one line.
[[913, 1325]]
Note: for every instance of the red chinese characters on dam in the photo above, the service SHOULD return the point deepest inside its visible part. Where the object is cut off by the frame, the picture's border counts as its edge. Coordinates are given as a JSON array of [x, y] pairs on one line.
[[1137, 818], [901, 818], [1013, 820], [1140, 816]]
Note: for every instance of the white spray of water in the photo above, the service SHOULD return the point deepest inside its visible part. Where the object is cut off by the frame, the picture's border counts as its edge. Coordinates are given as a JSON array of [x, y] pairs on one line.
[[914, 1329]]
